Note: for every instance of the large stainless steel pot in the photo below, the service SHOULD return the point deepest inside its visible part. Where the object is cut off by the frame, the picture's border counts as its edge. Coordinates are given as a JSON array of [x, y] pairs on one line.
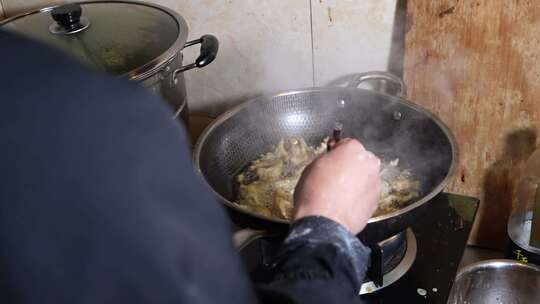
[[496, 281], [139, 41], [390, 126]]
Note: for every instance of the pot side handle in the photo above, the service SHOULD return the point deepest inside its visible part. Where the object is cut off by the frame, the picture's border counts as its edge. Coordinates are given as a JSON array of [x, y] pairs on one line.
[[209, 50], [380, 75]]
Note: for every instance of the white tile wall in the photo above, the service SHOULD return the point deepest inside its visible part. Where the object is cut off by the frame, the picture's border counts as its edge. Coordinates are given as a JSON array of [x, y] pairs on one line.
[[265, 46], [350, 36], [270, 45], [13, 7]]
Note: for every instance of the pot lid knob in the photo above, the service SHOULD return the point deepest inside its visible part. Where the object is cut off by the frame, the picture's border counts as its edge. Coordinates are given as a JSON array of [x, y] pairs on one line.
[[68, 19]]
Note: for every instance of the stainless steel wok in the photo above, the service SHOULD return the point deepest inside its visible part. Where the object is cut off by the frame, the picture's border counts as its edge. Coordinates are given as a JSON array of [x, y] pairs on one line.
[[389, 126]]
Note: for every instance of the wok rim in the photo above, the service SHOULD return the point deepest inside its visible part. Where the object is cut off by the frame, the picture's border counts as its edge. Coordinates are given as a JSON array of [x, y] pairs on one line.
[[395, 214]]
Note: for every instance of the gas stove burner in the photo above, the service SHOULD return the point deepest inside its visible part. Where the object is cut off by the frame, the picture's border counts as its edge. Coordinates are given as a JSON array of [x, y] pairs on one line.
[[392, 258], [424, 260]]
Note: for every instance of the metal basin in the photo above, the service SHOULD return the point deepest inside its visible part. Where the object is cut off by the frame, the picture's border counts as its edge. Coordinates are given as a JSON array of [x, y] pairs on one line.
[[497, 281]]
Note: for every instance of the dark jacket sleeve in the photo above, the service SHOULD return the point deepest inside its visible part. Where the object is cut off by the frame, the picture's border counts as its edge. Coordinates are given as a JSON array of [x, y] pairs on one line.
[[320, 262]]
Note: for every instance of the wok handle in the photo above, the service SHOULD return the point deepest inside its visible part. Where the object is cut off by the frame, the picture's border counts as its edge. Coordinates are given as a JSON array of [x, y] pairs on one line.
[[209, 50], [380, 75], [244, 237]]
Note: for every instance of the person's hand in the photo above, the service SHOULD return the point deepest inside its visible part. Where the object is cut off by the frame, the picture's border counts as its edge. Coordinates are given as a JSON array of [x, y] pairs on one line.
[[343, 185]]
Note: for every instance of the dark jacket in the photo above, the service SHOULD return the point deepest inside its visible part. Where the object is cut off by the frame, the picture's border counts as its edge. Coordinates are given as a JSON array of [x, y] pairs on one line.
[[99, 202]]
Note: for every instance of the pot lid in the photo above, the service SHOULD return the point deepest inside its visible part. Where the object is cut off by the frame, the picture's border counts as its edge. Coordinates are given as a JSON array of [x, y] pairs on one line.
[[131, 39]]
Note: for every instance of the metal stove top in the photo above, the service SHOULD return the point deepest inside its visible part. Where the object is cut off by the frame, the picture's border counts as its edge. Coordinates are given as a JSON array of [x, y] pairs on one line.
[[441, 236]]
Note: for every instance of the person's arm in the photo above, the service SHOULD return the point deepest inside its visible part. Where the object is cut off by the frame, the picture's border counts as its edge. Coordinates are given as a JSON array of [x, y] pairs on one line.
[[322, 261]]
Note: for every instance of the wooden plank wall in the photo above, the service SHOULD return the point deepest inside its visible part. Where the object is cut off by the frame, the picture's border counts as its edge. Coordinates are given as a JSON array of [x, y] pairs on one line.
[[477, 65]]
